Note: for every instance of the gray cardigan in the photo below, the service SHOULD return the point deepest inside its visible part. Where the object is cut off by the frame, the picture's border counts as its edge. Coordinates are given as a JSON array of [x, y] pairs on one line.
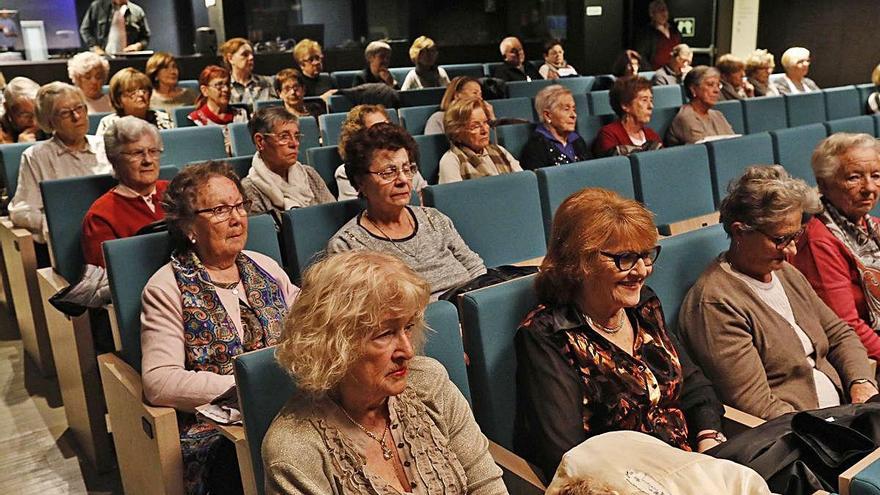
[[262, 204]]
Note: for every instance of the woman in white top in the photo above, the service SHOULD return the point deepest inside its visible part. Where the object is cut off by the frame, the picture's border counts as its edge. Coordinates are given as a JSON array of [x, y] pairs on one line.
[[796, 62], [89, 72], [459, 87], [427, 74], [874, 98], [555, 65]]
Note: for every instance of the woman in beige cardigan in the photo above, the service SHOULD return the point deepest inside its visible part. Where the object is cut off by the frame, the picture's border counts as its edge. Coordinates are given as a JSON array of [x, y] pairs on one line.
[[762, 335]]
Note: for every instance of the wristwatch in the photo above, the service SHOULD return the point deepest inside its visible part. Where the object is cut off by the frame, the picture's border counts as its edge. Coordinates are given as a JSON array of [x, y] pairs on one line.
[[859, 381], [712, 435]]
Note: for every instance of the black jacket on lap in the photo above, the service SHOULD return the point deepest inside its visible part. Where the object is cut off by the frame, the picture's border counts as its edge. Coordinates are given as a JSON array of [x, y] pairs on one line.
[[540, 152]]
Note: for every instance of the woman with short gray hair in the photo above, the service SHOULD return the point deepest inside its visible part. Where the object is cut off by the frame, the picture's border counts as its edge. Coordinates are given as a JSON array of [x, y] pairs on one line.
[[555, 140], [89, 72], [796, 63], [696, 121], [378, 56], [134, 148], [60, 110], [840, 251], [762, 335], [17, 125]]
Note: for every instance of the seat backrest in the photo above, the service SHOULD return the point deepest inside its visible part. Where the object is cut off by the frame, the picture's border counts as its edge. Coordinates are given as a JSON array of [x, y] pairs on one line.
[[728, 158], [311, 136], [191, 144], [413, 119], [667, 96], [793, 149], [805, 108], [528, 89], [343, 79], [331, 125], [325, 160], [514, 137], [240, 164], [305, 231], [661, 118], [600, 103], [876, 124], [490, 318], [431, 149], [765, 113], [399, 73], [180, 116], [502, 231], [10, 158], [192, 84], [489, 68], [865, 91], [127, 279], [588, 126], [580, 85], [661, 176], [513, 108], [555, 184], [842, 102], [339, 103], [240, 139], [647, 74], [267, 103], [472, 70], [733, 112], [95, 119], [65, 203], [443, 343], [862, 123], [421, 97], [682, 260]]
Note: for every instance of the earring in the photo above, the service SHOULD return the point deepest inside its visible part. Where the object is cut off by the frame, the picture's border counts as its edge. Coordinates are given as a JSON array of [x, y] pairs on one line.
[[192, 240]]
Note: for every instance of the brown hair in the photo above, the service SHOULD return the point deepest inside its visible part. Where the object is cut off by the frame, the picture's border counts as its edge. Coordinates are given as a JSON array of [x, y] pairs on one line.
[[361, 147], [208, 73], [730, 64], [229, 48], [354, 122], [625, 91], [127, 79], [455, 85], [159, 61], [457, 115], [287, 75]]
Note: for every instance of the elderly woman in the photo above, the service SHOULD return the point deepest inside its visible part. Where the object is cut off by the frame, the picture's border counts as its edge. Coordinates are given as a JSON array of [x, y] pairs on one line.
[[796, 63], [61, 111], [164, 73], [459, 87], [290, 86], [873, 104], [759, 66], [247, 87], [595, 356], [359, 118], [133, 148], [310, 59], [674, 71], [626, 64], [369, 411], [657, 41], [697, 121], [555, 65], [378, 56], [765, 339], [89, 72], [212, 105], [733, 78], [840, 250], [18, 125], [380, 163], [470, 154], [130, 93], [633, 102], [427, 73], [210, 303], [555, 140], [277, 180]]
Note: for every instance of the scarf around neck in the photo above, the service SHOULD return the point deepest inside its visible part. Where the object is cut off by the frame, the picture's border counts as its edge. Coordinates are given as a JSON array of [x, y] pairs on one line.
[[285, 193], [471, 165]]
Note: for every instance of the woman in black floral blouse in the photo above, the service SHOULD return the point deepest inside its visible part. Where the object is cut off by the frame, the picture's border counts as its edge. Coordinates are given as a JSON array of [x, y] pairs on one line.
[[595, 356]]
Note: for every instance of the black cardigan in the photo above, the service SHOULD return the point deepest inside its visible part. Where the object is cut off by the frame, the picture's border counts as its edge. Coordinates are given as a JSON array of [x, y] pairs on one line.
[[541, 152]]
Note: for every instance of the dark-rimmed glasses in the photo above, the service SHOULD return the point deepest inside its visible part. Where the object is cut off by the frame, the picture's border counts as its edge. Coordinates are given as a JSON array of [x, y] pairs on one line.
[[627, 260], [782, 241], [222, 212], [392, 171], [66, 113]]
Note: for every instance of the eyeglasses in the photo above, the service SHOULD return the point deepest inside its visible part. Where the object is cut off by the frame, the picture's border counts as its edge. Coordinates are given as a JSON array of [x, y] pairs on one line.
[[293, 87], [23, 115], [142, 154], [391, 172], [222, 212], [66, 113], [134, 92], [314, 59], [285, 138], [219, 87], [782, 241], [627, 260]]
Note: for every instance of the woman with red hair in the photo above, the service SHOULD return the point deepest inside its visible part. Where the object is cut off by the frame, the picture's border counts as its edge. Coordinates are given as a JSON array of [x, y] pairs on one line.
[[212, 105]]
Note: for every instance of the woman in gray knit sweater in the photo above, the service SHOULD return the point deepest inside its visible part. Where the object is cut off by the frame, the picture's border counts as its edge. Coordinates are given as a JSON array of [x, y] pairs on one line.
[[381, 162]]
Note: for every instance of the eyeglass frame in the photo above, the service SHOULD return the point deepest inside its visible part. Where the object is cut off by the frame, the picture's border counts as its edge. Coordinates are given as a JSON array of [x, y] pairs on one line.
[[142, 153], [384, 173], [282, 141], [66, 113], [782, 241], [645, 256], [221, 213], [133, 92]]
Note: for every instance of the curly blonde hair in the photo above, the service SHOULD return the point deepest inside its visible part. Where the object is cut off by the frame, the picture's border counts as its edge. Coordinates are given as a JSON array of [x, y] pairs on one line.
[[345, 298], [354, 122]]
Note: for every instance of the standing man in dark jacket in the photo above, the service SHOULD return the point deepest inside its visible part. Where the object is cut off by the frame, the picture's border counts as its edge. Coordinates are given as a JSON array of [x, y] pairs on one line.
[[114, 26]]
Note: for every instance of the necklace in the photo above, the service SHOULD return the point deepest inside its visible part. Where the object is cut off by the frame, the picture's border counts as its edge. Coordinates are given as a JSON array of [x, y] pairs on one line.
[[598, 326], [386, 450], [388, 237], [233, 286]]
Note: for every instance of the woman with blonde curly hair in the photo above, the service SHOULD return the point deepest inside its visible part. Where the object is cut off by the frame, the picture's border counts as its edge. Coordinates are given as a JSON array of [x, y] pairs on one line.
[[89, 72], [427, 74], [370, 414]]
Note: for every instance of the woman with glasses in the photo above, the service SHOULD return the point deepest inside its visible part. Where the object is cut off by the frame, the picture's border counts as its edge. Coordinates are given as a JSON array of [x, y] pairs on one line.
[[130, 93], [765, 339], [697, 121], [291, 88], [759, 66], [89, 72], [796, 63], [471, 154], [210, 303], [310, 59], [595, 355], [380, 164], [277, 180], [212, 105], [164, 73]]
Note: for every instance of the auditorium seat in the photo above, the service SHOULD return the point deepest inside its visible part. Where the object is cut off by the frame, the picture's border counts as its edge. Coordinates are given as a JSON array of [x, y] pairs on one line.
[[192, 143], [399, 74], [344, 79], [733, 112], [305, 231], [842, 102], [331, 124], [667, 96], [578, 86], [146, 437], [862, 123], [728, 159], [325, 160], [95, 119], [865, 91], [413, 119], [431, 149], [180, 116], [192, 84], [489, 68], [764, 114], [514, 137], [876, 124], [339, 103], [660, 177], [527, 89], [793, 149], [471, 70], [267, 103], [600, 103], [513, 108], [557, 183], [661, 118], [10, 159], [647, 74], [498, 217], [421, 97], [805, 108], [588, 126], [241, 165]]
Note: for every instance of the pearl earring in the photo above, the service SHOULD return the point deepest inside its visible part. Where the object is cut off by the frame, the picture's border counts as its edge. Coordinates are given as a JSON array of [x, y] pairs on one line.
[[192, 240]]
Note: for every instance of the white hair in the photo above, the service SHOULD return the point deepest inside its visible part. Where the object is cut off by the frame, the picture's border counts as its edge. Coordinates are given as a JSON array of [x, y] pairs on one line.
[[126, 130], [506, 41], [826, 157], [85, 62], [792, 55], [46, 97], [19, 88]]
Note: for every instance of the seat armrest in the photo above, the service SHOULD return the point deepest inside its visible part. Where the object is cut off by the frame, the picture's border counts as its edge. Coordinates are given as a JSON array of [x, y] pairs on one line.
[[846, 478], [519, 476]]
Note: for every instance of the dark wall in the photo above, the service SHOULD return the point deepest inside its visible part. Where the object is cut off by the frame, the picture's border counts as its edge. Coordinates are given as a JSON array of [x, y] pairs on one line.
[[841, 36]]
